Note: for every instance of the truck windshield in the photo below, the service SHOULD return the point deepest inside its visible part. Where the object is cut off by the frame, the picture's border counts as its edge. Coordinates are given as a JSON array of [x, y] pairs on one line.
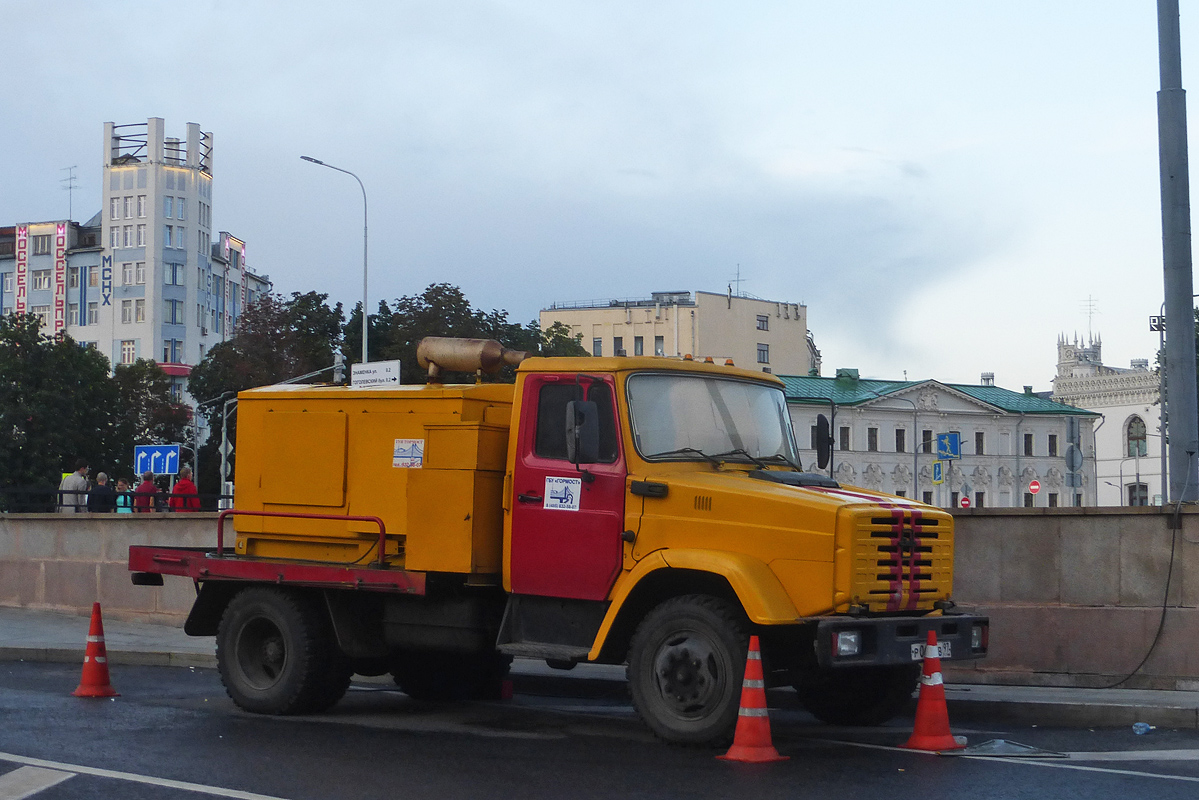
[[685, 417]]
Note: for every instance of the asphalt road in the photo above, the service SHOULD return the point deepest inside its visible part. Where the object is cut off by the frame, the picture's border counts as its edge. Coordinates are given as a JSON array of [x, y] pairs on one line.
[[173, 734]]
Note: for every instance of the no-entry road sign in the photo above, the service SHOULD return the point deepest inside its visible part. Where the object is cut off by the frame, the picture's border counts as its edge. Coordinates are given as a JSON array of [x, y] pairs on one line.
[[965, 502], [1034, 487]]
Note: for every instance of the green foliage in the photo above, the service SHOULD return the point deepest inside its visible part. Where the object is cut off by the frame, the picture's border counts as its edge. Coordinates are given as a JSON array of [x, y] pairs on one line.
[[58, 403]]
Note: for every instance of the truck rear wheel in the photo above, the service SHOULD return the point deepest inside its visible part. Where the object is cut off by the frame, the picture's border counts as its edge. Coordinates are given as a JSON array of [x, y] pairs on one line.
[[276, 654], [686, 662], [857, 695], [451, 676]]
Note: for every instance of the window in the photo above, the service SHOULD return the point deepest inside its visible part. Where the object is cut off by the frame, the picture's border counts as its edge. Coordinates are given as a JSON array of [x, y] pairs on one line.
[[1028, 444], [1053, 499], [926, 441], [1138, 494], [872, 439], [42, 313], [180, 237], [126, 311], [1135, 436], [172, 353], [168, 206], [618, 345], [140, 270], [127, 273], [900, 440], [73, 278], [954, 499], [927, 498], [127, 236], [141, 206], [128, 351], [93, 314], [901, 492], [597, 347], [980, 443], [139, 310], [141, 235], [41, 245], [167, 233], [815, 438], [638, 345], [6, 310], [659, 346], [844, 443], [73, 314], [177, 390], [763, 353], [8, 281], [1053, 444], [114, 208], [40, 279], [114, 237], [1028, 500], [550, 440], [174, 312], [93, 277], [173, 274], [128, 205], [763, 322], [980, 499], [181, 208]]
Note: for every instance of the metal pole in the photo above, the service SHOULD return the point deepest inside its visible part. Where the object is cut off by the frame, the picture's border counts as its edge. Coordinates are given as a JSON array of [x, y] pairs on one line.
[[365, 308], [1176, 258]]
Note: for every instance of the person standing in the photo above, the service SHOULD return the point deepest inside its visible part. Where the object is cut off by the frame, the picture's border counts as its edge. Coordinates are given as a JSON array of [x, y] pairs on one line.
[[101, 499], [72, 492], [124, 501], [143, 495], [185, 497]]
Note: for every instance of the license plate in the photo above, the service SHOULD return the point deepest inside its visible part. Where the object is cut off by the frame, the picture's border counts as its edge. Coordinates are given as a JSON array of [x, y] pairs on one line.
[[944, 650]]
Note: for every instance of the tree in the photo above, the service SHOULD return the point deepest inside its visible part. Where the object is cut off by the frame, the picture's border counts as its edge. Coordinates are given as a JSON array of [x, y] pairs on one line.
[[57, 404], [557, 340], [147, 414]]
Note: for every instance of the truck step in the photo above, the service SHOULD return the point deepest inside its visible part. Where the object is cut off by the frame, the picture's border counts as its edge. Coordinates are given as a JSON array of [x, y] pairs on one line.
[[562, 652]]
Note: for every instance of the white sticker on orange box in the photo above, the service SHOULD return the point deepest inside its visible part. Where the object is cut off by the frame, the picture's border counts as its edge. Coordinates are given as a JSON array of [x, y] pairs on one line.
[[408, 453], [562, 494]]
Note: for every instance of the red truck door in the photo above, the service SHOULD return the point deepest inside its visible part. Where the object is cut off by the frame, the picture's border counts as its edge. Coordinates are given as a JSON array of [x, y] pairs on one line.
[[566, 520]]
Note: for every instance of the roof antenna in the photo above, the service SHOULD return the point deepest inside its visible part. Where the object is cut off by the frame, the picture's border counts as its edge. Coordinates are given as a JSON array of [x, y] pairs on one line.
[[69, 185]]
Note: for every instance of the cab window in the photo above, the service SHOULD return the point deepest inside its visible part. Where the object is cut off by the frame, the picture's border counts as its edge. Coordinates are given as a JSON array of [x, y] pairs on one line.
[[550, 441]]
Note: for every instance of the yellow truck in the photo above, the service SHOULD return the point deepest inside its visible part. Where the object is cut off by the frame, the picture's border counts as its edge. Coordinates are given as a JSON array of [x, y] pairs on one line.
[[641, 511]]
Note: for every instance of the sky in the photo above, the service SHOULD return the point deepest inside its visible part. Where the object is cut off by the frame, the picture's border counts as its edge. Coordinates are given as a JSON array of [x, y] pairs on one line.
[[946, 186]]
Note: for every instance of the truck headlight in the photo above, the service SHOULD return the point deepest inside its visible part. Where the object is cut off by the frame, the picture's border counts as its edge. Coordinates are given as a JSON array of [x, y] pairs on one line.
[[847, 643]]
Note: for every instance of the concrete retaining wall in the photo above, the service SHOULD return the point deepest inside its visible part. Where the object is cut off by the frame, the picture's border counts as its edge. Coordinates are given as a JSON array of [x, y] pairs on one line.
[[1074, 595]]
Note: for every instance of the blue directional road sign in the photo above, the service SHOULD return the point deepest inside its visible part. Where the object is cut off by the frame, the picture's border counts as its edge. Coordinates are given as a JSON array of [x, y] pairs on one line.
[[161, 459], [949, 445]]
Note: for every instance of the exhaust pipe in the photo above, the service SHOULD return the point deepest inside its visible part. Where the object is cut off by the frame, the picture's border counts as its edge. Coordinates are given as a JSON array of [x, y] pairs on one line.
[[440, 353]]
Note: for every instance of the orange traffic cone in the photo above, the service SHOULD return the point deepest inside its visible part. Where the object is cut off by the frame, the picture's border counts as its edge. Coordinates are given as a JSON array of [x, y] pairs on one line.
[[94, 682], [931, 731], [751, 741]]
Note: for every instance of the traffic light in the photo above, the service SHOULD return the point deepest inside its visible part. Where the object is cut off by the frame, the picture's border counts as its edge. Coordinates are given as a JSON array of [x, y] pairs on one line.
[[339, 369]]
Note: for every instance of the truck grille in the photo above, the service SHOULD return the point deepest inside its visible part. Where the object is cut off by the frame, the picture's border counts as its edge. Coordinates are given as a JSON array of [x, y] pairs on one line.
[[902, 558]]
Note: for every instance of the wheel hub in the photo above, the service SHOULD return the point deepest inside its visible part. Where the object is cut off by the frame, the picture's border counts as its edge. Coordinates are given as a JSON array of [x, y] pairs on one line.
[[687, 674]]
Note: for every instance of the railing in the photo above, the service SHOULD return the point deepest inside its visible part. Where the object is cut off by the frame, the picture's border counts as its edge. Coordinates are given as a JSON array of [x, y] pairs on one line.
[[45, 500], [220, 526]]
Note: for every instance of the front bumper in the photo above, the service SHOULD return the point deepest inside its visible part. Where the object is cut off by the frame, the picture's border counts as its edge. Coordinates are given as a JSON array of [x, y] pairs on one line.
[[901, 640]]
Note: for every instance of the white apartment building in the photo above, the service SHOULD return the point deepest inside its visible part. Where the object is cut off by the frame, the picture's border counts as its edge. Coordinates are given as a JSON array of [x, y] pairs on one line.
[[754, 333]]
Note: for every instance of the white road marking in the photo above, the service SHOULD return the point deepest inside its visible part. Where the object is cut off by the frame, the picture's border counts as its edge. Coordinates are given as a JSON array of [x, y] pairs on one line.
[[215, 791], [27, 781], [1137, 755]]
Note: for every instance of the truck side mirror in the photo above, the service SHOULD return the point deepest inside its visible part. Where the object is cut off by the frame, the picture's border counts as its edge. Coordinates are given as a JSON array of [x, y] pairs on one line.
[[824, 441], [582, 432]]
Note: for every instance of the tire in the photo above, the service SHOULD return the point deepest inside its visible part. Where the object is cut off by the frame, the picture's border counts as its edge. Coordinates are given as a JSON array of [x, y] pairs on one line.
[[439, 677], [857, 696], [276, 654], [686, 663]]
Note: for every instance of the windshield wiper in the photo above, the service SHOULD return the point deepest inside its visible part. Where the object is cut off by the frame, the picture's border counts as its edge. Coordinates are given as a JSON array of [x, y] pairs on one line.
[[683, 450], [741, 451], [783, 458]]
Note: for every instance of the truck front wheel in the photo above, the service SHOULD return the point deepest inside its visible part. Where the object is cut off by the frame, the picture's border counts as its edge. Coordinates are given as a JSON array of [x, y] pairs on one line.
[[276, 654], [686, 662], [857, 695]]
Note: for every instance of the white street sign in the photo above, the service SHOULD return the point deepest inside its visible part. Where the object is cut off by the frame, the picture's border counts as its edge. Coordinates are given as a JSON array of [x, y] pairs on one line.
[[375, 373]]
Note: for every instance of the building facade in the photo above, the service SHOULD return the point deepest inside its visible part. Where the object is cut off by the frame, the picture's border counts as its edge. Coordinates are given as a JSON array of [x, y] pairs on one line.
[[884, 438], [1128, 441], [145, 277], [754, 333]]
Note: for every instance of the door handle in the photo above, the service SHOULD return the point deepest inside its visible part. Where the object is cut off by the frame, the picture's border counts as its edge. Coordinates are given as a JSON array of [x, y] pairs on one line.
[[529, 498]]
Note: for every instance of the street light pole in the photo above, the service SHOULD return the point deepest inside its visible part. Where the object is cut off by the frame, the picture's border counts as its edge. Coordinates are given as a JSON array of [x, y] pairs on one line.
[[365, 309]]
